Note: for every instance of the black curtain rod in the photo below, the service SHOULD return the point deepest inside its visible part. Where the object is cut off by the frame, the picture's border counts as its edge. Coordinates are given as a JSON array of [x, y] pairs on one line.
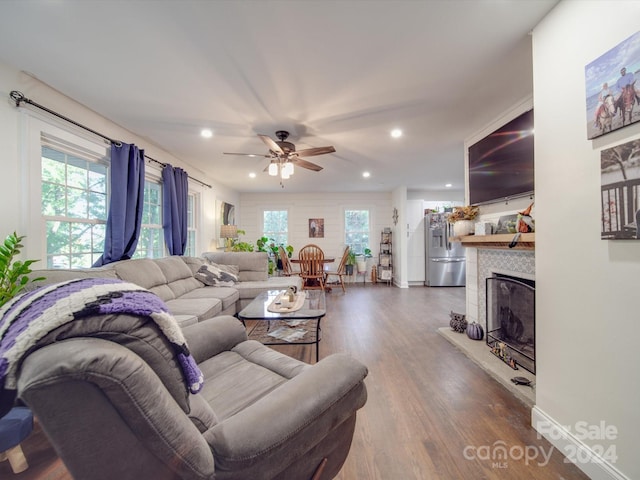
[[18, 98]]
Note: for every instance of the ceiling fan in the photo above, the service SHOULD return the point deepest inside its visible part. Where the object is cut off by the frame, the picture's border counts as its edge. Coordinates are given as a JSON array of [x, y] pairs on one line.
[[283, 154]]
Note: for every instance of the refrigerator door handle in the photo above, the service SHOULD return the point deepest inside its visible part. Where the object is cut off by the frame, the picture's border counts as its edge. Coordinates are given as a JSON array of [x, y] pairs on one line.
[[447, 260], [447, 234]]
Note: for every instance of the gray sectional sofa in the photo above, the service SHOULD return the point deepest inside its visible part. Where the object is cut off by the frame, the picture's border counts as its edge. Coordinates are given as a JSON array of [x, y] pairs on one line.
[[115, 401], [173, 280]]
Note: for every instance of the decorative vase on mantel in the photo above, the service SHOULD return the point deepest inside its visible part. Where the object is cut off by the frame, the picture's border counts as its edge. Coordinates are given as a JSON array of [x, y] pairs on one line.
[[463, 227]]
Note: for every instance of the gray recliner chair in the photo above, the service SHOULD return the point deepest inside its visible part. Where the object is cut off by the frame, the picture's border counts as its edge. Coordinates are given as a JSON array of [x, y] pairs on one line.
[[111, 397]]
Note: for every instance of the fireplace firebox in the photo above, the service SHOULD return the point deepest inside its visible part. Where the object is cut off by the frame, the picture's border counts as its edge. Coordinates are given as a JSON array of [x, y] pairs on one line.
[[511, 318]]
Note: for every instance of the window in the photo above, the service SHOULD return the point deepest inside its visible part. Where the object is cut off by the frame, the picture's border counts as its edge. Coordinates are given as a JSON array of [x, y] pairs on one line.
[[356, 230], [190, 249], [151, 242], [73, 191], [74, 205], [276, 226]]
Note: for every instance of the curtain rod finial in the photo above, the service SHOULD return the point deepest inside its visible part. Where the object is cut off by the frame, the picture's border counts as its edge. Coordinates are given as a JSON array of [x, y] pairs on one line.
[[17, 97]]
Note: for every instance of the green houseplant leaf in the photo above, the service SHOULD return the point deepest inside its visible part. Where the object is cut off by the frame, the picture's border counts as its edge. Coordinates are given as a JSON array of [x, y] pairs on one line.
[[14, 274]]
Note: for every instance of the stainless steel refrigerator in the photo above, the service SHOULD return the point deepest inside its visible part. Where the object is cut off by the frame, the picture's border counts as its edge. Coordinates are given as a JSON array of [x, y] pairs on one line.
[[445, 260]]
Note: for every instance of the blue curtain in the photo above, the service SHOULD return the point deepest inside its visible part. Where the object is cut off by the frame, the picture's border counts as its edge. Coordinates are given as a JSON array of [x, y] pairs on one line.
[[175, 191], [127, 200]]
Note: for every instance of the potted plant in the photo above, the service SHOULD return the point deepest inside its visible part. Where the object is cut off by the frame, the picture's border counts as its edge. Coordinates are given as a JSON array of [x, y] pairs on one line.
[[241, 246], [462, 220], [351, 261], [272, 251], [14, 274]]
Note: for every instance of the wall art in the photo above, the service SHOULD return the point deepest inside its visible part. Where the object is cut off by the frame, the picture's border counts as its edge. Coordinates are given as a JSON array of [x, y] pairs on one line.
[[620, 191], [316, 228], [227, 214], [613, 95]]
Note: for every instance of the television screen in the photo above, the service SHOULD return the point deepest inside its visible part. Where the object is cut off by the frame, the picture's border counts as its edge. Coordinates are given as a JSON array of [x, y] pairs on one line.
[[501, 164]]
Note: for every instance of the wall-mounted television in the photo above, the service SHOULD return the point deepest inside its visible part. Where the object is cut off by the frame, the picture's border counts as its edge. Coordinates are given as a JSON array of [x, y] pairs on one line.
[[501, 164]]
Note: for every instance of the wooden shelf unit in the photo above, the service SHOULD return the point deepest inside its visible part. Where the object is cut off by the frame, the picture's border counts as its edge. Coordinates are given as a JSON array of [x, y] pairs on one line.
[[527, 241]]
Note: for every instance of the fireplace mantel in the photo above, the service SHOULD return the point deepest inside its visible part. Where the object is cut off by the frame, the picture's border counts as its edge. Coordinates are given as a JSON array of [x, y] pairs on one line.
[[527, 241]]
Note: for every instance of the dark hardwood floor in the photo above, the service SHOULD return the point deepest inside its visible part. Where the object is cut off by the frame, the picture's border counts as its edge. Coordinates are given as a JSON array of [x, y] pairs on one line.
[[431, 412]]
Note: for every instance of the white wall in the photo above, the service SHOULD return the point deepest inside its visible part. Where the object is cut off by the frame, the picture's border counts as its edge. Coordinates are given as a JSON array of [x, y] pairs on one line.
[[587, 289], [15, 188], [399, 247], [302, 207]]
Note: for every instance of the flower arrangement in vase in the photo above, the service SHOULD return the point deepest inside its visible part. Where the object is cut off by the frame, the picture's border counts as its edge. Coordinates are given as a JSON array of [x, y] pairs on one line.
[[462, 220]]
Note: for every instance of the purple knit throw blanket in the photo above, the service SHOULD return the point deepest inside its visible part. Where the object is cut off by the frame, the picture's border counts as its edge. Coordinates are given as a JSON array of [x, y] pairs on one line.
[[29, 317]]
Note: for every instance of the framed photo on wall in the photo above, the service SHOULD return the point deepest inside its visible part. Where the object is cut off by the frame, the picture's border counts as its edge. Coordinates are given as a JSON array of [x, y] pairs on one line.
[[226, 215], [612, 89], [620, 191], [316, 228]]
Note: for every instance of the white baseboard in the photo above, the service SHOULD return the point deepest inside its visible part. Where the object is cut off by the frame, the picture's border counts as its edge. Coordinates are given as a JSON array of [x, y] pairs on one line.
[[574, 450]]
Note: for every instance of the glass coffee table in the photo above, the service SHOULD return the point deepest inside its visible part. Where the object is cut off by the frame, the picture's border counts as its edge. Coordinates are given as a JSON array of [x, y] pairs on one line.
[[299, 327]]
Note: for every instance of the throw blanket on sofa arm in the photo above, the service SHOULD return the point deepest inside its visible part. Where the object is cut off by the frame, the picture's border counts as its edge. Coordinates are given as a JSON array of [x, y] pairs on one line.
[[29, 317]]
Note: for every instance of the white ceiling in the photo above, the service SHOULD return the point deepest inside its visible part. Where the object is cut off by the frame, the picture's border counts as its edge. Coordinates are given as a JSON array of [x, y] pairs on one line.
[[341, 73]]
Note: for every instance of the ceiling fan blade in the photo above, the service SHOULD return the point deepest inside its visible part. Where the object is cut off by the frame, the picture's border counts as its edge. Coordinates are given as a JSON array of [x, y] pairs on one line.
[[298, 162], [273, 146], [247, 154], [310, 152]]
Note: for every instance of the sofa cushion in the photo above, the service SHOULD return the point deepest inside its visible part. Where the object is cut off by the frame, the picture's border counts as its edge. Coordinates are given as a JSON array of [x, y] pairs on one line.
[[232, 383], [218, 275], [254, 266], [57, 275], [178, 275], [228, 295], [146, 273], [139, 334], [185, 320], [203, 308], [194, 263]]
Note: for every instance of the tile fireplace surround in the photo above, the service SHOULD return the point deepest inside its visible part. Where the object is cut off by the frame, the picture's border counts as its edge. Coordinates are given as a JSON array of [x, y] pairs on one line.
[[483, 263]]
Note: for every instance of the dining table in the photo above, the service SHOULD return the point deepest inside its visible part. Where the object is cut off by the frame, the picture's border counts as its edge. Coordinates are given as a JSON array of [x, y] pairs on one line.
[[325, 261]]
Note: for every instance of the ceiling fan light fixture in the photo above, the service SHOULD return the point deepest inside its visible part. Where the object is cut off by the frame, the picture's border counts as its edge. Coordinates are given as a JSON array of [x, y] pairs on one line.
[[283, 155], [288, 167]]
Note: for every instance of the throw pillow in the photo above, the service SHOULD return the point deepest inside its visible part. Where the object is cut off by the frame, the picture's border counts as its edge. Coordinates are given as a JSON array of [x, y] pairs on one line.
[[218, 275]]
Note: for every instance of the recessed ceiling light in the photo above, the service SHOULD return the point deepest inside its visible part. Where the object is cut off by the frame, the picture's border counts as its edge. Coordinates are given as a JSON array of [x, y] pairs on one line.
[[206, 133], [396, 133], [448, 185], [252, 175], [366, 174]]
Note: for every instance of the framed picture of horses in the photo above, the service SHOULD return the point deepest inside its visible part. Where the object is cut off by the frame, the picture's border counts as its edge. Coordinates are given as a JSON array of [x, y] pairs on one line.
[[613, 95]]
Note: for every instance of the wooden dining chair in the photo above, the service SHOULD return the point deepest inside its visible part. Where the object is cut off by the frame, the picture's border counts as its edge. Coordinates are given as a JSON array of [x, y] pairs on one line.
[[311, 258], [287, 268], [340, 272]]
